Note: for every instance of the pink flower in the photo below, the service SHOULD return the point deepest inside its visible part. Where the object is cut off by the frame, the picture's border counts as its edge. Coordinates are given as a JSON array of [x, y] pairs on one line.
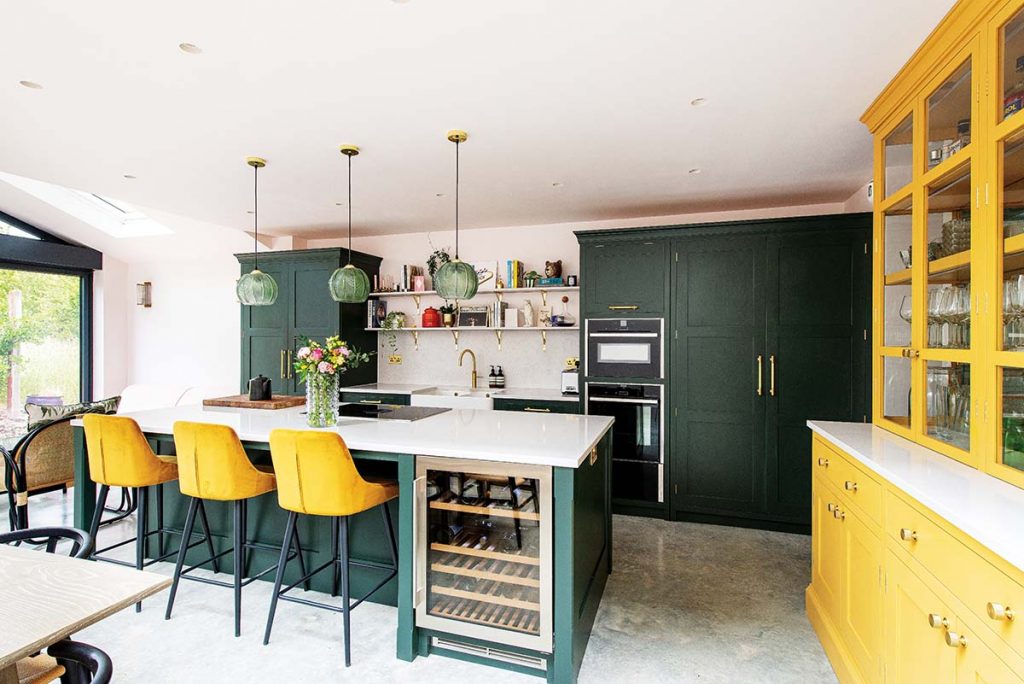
[[325, 367], [342, 351], [316, 354], [303, 352]]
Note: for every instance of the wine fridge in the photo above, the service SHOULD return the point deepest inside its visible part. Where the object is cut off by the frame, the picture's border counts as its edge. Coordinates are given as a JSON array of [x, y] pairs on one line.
[[483, 560]]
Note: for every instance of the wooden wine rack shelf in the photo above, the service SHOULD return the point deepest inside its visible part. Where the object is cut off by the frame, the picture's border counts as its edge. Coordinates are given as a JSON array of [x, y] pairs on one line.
[[468, 548], [482, 597], [491, 509], [507, 617]]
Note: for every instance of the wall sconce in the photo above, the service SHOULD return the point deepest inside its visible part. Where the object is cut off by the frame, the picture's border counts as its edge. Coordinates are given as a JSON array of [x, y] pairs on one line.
[[144, 294]]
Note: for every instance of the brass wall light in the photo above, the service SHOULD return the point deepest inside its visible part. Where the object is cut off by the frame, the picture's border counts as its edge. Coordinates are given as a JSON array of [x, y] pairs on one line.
[[144, 294]]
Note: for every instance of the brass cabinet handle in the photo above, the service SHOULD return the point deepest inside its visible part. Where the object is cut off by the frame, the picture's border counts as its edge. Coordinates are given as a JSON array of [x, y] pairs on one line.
[[998, 611], [823, 462], [623, 307], [536, 410], [936, 621], [838, 514], [282, 364], [290, 375], [369, 401], [593, 456], [760, 376], [911, 353], [907, 534], [850, 486], [831, 507], [771, 380], [955, 640]]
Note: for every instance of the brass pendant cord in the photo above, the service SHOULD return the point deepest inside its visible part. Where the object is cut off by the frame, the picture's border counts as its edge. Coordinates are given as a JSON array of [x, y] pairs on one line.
[[255, 217], [457, 200], [349, 208]]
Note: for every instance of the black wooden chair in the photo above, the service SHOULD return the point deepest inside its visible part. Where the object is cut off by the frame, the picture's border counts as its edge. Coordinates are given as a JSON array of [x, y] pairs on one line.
[[82, 663], [81, 541]]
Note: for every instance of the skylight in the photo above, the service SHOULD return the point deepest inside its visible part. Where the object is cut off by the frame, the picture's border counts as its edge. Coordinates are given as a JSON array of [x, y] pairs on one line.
[[14, 231], [113, 217]]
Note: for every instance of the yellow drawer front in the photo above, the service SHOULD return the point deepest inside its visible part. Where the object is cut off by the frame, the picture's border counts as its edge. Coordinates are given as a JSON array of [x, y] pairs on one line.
[[854, 484], [988, 592]]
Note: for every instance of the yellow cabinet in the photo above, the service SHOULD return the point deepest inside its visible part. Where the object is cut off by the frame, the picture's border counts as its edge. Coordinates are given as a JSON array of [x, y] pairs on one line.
[[977, 664], [826, 549], [917, 623], [949, 241], [862, 607]]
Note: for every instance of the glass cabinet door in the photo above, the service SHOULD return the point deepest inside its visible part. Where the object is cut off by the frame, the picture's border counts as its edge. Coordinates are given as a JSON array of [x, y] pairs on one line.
[[484, 551], [898, 156]]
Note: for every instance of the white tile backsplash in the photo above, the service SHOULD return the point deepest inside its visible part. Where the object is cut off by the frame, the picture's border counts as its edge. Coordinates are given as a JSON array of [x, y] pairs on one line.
[[436, 362]]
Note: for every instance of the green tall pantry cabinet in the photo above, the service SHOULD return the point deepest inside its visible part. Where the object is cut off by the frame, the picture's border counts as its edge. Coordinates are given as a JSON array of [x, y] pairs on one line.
[[271, 335], [767, 325]]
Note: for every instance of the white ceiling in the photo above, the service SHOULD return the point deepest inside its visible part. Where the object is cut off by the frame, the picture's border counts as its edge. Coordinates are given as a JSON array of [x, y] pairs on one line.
[[592, 94]]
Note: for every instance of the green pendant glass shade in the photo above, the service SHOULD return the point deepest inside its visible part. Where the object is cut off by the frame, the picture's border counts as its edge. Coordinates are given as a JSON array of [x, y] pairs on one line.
[[456, 280], [349, 285], [256, 288]]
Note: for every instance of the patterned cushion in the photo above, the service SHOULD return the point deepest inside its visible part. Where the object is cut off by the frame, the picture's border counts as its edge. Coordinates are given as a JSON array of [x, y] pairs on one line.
[[45, 414]]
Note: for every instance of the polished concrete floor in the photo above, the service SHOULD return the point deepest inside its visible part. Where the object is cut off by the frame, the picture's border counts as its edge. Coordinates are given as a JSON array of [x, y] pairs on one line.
[[686, 603]]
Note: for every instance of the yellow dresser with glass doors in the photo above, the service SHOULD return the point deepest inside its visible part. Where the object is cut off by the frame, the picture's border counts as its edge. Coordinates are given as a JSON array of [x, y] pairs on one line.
[[900, 594], [949, 241]]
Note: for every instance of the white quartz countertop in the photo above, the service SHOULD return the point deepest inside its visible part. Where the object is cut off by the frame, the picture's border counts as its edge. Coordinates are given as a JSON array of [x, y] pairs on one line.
[[528, 393], [550, 439], [988, 509]]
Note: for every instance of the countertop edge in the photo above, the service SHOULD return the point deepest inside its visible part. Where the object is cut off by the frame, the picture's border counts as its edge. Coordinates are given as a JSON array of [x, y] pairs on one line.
[[948, 513], [520, 393]]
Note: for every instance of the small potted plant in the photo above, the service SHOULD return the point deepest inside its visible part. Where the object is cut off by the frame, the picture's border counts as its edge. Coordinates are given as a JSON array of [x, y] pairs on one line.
[[395, 320], [448, 314], [530, 279], [320, 366]]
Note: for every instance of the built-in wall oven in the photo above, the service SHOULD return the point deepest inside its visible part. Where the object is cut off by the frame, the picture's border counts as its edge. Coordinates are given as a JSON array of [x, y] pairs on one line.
[[625, 348], [638, 451]]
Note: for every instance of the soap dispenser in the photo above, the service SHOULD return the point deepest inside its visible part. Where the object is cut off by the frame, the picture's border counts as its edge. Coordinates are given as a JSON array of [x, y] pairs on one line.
[[492, 379], [500, 379]]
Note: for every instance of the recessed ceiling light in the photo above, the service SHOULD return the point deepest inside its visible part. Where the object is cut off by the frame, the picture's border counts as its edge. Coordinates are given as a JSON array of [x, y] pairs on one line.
[[699, 102], [32, 85], [129, 176], [190, 48], [694, 172], [400, 2], [339, 204], [250, 211], [439, 194], [557, 184]]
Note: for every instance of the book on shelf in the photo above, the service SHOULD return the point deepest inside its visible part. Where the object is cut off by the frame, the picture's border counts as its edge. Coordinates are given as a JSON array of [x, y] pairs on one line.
[[409, 273], [514, 270], [550, 282], [376, 311]]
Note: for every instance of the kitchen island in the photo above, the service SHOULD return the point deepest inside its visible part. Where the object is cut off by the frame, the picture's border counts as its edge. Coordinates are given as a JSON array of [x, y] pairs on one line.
[[559, 552]]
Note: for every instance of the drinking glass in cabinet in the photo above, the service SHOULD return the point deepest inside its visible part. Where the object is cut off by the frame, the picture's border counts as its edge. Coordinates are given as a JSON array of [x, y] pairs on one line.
[[949, 317], [896, 389], [949, 116], [949, 215], [1013, 418], [1013, 313], [899, 156], [898, 257], [1013, 185], [948, 401], [1013, 66]]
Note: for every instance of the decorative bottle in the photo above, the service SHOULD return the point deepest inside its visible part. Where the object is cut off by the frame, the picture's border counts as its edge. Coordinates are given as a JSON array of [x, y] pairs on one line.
[[1014, 100]]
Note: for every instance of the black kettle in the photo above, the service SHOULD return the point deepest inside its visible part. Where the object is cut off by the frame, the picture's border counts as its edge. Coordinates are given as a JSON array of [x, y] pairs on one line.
[[259, 389]]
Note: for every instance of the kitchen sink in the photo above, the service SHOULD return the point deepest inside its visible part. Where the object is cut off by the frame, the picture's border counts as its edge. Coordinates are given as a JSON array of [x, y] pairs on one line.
[[455, 398]]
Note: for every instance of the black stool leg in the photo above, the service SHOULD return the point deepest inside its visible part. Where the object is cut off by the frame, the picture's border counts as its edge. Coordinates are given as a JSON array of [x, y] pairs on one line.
[[334, 555], [515, 507], [140, 533], [238, 557], [298, 552], [190, 521], [343, 543], [206, 531], [101, 502], [160, 520], [289, 530]]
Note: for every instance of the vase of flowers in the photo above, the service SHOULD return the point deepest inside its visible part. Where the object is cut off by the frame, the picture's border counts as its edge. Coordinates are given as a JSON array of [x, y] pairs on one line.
[[320, 366]]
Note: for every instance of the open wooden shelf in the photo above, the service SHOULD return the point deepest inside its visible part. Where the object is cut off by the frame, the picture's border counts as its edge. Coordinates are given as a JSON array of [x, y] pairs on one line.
[[955, 268], [508, 617], [480, 293], [493, 509]]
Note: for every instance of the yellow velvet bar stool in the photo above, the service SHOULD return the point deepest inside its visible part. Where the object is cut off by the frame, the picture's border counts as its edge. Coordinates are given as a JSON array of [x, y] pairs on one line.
[[120, 456], [213, 465], [317, 476]]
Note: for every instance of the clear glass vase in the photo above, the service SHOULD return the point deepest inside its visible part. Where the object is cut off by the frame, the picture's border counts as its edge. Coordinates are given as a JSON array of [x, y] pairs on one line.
[[321, 400]]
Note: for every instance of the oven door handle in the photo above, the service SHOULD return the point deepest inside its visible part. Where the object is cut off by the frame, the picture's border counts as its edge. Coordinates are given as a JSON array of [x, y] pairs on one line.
[[623, 334], [613, 400]]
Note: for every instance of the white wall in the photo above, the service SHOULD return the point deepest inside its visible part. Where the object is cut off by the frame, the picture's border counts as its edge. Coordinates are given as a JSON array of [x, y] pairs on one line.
[[191, 334]]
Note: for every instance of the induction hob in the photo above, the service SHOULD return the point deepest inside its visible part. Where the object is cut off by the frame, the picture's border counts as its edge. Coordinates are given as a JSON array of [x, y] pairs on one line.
[[389, 411]]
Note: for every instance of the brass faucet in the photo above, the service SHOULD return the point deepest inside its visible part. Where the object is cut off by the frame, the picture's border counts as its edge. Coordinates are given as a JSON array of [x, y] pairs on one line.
[[473, 356]]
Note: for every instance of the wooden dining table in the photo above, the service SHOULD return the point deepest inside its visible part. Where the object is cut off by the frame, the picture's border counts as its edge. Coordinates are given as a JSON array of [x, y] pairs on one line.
[[45, 597]]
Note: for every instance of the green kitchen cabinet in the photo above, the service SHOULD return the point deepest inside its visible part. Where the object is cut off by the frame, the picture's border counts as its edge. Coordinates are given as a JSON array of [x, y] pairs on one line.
[[624, 277], [271, 335], [374, 398], [537, 406]]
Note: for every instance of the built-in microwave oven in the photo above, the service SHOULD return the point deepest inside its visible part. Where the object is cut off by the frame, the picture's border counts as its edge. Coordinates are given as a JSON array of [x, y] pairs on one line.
[[625, 348]]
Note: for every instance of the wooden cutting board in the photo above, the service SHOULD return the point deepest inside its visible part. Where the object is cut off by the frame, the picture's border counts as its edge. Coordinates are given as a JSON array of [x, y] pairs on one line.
[[276, 401]]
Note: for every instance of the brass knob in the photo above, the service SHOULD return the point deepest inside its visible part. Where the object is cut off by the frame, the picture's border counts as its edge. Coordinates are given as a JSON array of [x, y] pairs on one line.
[[907, 534], [850, 486], [998, 611], [936, 621], [838, 514], [823, 462], [955, 640], [831, 507]]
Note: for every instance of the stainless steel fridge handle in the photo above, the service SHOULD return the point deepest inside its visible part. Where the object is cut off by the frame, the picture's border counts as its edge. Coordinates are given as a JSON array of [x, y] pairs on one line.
[[419, 569], [623, 334], [614, 400]]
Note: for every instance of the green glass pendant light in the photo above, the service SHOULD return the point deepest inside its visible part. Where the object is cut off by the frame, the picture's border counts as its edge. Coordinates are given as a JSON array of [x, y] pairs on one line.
[[456, 279], [256, 288], [349, 284]]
